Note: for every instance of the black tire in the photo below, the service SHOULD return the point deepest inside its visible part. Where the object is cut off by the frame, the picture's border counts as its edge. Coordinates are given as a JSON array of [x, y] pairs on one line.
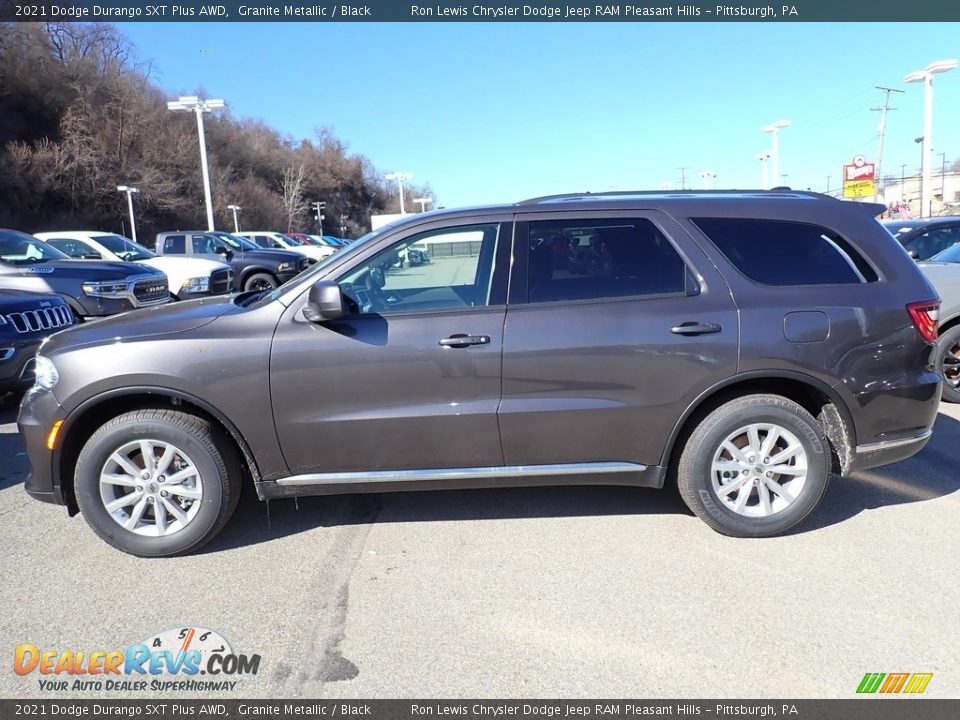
[[207, 449], [260, 281], [948, 364], [696, 477]]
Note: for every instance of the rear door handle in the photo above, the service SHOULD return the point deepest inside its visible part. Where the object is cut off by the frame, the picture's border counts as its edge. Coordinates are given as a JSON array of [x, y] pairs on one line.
[[462, 340], [695, 328]]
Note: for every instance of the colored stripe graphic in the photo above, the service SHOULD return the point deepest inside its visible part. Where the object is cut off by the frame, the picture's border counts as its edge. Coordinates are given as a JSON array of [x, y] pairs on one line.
[[870, 682], [918, 682], [894, 683]]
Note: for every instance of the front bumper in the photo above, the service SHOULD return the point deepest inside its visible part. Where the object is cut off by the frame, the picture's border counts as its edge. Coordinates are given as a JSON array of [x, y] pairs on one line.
[[16, 361], [39, 410]]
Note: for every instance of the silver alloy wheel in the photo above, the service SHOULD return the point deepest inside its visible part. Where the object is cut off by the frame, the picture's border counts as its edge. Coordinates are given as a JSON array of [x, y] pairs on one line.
[[151, 488], [759, 470]]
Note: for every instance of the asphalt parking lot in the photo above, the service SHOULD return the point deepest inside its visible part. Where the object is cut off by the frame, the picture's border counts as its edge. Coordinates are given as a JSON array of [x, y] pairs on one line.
[[565, 592]]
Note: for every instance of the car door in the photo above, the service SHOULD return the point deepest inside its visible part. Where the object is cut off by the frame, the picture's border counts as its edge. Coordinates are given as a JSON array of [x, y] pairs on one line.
[[616, 322], [410, 379]]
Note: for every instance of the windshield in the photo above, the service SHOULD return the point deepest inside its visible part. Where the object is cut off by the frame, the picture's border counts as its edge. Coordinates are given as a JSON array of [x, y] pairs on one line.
[[125, 248], [236, 242], [951, 255], [18, 248]]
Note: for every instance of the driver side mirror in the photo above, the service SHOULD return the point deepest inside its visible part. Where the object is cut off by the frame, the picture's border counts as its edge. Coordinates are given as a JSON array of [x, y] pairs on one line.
[[325, 302], [914, 254]]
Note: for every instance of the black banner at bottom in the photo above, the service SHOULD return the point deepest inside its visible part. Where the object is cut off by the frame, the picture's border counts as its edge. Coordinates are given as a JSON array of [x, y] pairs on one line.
[[894, 708]]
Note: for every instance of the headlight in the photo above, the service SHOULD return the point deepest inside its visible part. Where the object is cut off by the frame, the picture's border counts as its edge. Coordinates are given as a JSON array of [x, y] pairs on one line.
[[197, 284], [105, 289], [45, 372], [284, 266]]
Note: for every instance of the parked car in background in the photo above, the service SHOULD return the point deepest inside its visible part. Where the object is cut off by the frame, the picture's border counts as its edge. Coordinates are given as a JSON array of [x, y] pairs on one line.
[[91, 288], [282, 241], [254, 268], [925, 238], [747, 343], [943, 271], [328, 240], [25, 320], [188, 277]]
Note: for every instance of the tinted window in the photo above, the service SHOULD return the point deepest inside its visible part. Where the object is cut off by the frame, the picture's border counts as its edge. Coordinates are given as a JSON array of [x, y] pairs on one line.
[[951, 254], [459, 274], [931, 242], [124, 247], [175, 244], [204, 244], [73, 248], [586, 260], [775, 252], [21, 249]]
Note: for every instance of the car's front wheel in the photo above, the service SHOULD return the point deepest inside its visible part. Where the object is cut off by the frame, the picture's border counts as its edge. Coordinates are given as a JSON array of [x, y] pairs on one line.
[[755, 467], [260, 281], [948, 352], [155, 483]]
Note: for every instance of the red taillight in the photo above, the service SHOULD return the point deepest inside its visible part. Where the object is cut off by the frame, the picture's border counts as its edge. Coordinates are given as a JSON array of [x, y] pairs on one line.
[[925, 316]]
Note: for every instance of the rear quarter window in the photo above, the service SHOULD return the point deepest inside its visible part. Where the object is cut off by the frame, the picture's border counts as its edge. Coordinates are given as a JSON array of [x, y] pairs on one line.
[[777, 252]]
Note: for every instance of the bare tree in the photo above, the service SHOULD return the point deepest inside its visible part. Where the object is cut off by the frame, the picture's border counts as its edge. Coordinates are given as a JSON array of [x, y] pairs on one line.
[[293, 201]]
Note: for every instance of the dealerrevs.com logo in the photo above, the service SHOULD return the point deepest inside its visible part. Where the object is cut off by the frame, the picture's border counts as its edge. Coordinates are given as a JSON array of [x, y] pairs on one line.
[[173, 660]]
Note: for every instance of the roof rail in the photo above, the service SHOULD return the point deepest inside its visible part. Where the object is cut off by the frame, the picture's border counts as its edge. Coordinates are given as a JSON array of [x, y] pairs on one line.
[[667, 193]]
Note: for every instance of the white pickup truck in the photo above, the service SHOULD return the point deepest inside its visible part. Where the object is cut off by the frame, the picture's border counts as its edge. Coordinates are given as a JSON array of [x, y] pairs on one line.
[[189, 277]]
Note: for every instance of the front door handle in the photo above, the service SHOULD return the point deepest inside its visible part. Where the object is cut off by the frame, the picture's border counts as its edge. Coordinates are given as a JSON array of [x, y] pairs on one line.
[[462, 340], [695, 328]]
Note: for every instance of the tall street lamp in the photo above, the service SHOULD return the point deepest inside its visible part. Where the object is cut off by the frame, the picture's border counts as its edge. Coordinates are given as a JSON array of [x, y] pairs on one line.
[[318, 207], [194, 104], [774, 129], [708, 176], [926, 77], [343, 226], [423, 202], [400, 177], [130, 191], [236, 223]]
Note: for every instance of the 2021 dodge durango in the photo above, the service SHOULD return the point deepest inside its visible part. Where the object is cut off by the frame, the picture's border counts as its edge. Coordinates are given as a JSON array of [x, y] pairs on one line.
[[749, 344]]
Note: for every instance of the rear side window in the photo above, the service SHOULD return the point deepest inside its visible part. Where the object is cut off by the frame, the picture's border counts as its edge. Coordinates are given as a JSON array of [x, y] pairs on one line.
[[775, 252], [594, 259], [175, 244]]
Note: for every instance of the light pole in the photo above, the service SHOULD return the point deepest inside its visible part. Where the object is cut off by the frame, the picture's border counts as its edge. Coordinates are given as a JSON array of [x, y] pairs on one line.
[[343, 225], [400, 177], [423, 202], [236, 223], [764, 169], [130, 191], [708, 176], [192, 103], [926, 77], [774, 129], [318, 207]]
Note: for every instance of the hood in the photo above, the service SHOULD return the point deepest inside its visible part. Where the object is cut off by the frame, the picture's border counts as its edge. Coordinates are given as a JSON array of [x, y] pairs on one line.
[[271, 256], [14, 301], [183, 267], [146, 322], [83, 270]]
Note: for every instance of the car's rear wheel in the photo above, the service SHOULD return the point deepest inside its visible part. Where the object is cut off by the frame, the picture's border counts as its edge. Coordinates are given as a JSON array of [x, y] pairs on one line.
[[260, 281], [948, 351], [155, 483], [754, 467]]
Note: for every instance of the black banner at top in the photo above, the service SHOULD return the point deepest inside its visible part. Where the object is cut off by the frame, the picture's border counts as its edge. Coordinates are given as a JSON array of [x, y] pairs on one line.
[[471, 11]]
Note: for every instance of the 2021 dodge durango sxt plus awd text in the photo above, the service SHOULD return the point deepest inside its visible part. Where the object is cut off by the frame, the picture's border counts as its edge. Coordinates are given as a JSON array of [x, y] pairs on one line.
[[748, 344]]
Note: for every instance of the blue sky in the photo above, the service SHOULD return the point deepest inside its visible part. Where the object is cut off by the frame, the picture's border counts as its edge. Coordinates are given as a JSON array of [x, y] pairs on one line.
[[497, 112]]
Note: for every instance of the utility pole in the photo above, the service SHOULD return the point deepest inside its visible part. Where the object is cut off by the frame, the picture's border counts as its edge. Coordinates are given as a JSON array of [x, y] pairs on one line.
[[882, 128], [828, 185], [683, 177]]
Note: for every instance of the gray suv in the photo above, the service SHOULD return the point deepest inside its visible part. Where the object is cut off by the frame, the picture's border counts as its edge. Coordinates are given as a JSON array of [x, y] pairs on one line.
[[745, 345]]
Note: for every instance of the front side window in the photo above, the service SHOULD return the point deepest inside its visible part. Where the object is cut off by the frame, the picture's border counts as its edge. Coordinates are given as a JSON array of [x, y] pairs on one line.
[[589, 260], [124, 248], [934, 241], [777, 252], [459, 274]]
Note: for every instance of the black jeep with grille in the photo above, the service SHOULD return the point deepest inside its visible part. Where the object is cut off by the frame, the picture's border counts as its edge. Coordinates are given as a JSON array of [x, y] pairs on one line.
[[25, 320]]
